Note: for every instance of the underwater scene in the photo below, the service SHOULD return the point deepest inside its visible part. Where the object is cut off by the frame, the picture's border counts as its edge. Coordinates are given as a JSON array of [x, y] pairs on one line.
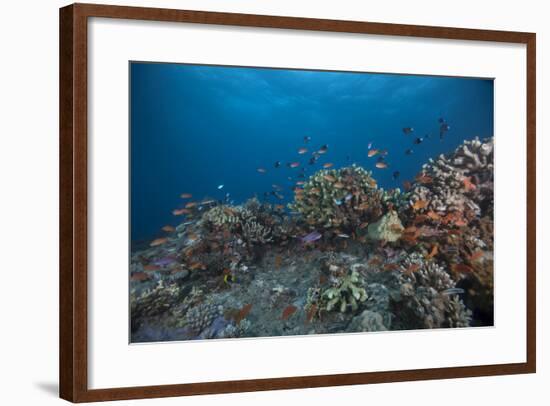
[[270, 202]]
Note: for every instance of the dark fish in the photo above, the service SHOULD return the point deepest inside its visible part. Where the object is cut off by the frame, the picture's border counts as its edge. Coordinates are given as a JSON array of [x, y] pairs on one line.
[[312, 160], [418, 140], [396, 174], [323, 149], [380, 159], [307, 139], [408, 130], [443, 127], [277, 164], [409, 151]]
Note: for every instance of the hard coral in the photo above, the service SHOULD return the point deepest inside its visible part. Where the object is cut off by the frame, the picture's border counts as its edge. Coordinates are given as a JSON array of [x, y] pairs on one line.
[[458, 182], [344, 198], [346, 293], [427, 298]]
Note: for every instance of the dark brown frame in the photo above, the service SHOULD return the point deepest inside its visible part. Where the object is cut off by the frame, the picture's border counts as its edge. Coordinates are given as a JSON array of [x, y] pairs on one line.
[[73, 201]]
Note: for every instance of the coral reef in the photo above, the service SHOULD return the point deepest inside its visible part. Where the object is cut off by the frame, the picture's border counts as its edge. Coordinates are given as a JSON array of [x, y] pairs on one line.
[[428, 297], [458, 182], [350, 257], [345, 198], [388, 228], [346, 293], [199, 317]]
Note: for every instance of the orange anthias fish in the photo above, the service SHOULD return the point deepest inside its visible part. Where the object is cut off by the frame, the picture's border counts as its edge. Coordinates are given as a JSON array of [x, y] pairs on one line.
[[460, 222], [311, 313], [391, 267], [381, 165], [374, 261], [468, 185], [433, 252], [328, 165], [294, 164], [158, 241], [420, 204], [288, 311], [330, 178], [178, 212], [302, 151], [411, 269], [421, 218], [190, 205], [372, 153], [197, 265], [433, 215], [186, 195], [423, 179], [461, 268], [339, 185], [139, 276], [476, 256], [278, 261], [243, 313], [151, 267], [168, 229]]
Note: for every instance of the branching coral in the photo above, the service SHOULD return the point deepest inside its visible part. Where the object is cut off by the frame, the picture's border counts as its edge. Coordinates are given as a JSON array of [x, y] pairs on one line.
[[344, 197], [458, 182], [428, 298], [347, 293], [256, 233], [200, 317], [154, 303], [252, 221]]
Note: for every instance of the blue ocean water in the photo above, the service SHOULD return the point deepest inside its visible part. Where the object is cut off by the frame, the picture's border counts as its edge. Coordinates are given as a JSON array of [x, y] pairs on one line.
[[194, 128]]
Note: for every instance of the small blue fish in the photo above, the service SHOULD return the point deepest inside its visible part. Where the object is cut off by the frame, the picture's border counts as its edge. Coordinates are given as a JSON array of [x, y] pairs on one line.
[[453, 291], [338, 202], [348, 197], [164, 261], [311, 237], [220, 187]]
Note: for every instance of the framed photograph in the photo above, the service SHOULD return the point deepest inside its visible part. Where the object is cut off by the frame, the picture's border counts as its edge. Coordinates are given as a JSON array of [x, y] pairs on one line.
[[257, 202]]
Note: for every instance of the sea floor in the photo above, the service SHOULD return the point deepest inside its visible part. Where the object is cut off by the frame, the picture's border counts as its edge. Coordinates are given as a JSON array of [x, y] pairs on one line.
[[276, 295]]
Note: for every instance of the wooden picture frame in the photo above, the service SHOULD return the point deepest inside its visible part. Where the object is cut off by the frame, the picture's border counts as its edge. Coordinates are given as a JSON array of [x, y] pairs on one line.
[[74, 201]]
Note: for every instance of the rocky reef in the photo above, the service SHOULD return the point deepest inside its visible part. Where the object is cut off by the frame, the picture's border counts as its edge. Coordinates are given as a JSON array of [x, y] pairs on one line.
[[349, 257]]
